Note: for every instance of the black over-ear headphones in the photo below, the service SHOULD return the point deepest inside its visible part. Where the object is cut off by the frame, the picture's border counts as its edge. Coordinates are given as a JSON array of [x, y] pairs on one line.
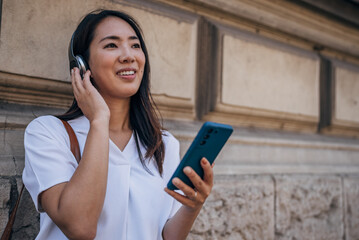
[[76, 61]]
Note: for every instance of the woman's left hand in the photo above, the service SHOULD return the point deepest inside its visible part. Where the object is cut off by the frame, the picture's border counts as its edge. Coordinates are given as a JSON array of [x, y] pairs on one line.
[[194, 198]]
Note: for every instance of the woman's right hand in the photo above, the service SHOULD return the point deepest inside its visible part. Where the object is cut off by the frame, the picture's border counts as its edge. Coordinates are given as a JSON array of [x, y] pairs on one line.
[[88, 98]]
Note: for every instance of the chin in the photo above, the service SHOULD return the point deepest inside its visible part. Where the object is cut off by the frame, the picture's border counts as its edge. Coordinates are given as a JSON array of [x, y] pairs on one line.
[[126, 93]]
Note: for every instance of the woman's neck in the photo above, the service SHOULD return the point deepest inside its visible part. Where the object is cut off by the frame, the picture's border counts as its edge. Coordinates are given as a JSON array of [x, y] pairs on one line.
[[120, 114]]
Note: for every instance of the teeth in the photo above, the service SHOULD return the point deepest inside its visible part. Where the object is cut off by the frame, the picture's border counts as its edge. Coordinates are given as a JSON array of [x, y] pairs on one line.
[[127, 73]]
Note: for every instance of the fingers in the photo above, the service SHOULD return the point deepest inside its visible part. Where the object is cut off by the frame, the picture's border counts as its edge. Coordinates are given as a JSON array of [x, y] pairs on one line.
[[80, 85], [76, 81], [86, 80], [194, 198], [75, 89], [195, 179], [208, 171], [205, 185], [187, 190]]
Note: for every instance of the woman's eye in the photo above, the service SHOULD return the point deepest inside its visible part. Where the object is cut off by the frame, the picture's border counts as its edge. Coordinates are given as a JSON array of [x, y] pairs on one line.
[[136, 45], [111, 45]]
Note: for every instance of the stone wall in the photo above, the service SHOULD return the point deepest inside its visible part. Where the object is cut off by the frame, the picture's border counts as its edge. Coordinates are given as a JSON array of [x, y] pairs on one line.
[[285, 74], [278, 207]]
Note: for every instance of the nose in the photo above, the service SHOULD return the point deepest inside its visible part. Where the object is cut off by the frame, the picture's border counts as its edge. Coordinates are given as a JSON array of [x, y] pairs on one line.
[[126, 55]]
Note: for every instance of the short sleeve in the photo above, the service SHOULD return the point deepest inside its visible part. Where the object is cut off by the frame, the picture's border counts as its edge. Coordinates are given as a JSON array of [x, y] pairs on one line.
[[48, 158], [172, 150]]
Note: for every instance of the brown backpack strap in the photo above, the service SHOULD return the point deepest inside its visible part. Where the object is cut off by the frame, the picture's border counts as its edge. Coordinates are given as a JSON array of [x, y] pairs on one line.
[[75, 149]]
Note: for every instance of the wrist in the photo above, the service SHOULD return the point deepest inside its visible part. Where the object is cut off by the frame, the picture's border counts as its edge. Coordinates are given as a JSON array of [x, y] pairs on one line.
[[192, 210], [100, 122]]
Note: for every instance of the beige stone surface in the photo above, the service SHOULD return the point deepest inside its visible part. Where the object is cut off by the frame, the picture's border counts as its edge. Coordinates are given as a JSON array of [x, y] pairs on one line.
[[238, 208], [264, 76], [41, 30], [309, 207], [351, 191], [44, 38], [347, 94], [172, 50]]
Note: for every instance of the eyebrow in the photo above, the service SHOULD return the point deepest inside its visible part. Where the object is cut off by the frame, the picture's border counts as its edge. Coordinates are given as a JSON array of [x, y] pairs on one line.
[[113, 37]]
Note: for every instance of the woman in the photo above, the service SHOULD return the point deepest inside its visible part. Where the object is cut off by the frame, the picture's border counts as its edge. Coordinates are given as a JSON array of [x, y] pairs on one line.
[[116, 191]]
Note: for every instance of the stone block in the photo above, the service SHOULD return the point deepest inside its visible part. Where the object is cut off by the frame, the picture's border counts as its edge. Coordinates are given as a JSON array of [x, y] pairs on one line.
[[4, 217], [347, 94], [5, 188], [12, 142], [238, 208], [262, 75], [351, 192], [26, 225], [19, 183], [7, 166], [309, 207], [172, 50]]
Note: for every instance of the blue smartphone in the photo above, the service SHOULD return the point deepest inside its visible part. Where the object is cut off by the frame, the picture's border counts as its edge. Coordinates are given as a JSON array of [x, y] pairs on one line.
[[208, 143]]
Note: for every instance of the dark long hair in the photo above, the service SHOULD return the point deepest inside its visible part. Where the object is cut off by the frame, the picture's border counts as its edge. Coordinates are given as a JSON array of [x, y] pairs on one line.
[[143, 118]]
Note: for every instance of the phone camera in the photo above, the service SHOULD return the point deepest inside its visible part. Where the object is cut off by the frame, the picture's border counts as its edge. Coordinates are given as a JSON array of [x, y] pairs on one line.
[[210, 130], [202, 143], [206, 136]]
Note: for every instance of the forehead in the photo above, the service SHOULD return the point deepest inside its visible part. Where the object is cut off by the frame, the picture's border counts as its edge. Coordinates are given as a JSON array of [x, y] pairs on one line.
[[114, 26]]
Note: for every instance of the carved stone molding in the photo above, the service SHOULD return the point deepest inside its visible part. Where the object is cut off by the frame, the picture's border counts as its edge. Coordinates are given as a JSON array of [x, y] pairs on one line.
[[36, 91], [258, 151], [174, 107], [283, 16], [251, 117]]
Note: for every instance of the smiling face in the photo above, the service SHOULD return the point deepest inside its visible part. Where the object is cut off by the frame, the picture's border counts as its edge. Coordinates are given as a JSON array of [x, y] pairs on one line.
[[116, 59]]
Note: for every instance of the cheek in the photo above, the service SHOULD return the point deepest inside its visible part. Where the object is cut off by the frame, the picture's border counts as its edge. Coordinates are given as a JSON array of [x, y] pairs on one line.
[[142, 62], [141, 58]]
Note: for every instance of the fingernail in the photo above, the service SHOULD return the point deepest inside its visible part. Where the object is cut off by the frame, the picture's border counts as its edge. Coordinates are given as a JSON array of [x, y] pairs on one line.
[[204, 161], [187, 170], [175, 181], [72, 71]]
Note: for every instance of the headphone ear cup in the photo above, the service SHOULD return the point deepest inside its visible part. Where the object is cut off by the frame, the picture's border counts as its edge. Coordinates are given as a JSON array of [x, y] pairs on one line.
[[81, 64], [76, 61]]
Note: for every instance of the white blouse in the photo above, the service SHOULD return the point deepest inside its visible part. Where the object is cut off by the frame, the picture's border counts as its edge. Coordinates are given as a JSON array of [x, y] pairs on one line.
[[135, 207]]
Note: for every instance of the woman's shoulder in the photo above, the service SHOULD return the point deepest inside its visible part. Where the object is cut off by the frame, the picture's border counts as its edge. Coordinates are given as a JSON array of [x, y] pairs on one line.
[[168, 137], [44, 123], [46, 119], [170, 141]]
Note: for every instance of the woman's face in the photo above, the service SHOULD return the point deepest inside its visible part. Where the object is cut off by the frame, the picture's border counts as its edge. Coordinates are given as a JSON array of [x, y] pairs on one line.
[[116, 59]]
